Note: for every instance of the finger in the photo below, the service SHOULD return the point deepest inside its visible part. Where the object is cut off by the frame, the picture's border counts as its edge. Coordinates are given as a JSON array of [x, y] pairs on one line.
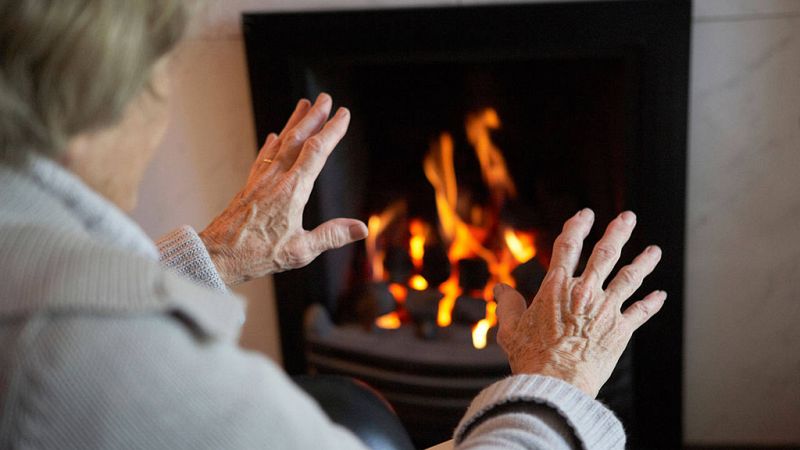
[[270, 149], [333, 234], [568, 244], [640, 312], [317, 148], [511, 306], [299, 113], [271, 138], [630, 277], [606, 253], [294, 139], [267, 149], [263, 154]]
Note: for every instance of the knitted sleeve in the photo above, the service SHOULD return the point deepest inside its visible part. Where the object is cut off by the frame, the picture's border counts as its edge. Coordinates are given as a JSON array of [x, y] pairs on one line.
[[183, 251], [532, 411]]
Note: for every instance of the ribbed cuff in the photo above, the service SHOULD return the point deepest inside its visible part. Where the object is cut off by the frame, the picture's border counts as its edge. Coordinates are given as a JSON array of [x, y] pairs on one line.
[[594, 424], [183, 251]]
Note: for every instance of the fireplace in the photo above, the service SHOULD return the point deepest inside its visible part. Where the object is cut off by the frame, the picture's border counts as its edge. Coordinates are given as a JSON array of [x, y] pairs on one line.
[[476, 132]]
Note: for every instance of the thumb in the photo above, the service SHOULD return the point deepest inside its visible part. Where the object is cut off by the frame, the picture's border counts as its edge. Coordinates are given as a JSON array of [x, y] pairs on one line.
[[334, 234], [510, 307]]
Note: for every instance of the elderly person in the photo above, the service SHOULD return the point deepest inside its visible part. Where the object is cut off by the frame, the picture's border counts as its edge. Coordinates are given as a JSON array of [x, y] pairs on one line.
[[108, 340]]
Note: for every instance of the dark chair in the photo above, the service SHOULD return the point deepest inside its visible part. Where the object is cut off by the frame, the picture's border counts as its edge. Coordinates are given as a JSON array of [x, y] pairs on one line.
[[359, 408]]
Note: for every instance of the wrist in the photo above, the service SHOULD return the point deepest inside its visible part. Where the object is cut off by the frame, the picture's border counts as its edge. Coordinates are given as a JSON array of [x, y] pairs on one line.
[[562, 372], [221, 260]]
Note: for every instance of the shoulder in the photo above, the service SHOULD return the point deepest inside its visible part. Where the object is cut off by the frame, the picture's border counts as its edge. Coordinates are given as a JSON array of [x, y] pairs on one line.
[[154, 379]]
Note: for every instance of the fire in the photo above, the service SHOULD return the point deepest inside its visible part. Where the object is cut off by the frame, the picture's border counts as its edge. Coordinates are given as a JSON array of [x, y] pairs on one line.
[[479, 333], [376, 224], [416, 245], [451, 291], [520, 245], [389, 321], [481, 329], [399, 292], [441, 173], [479, 234], [418, 283], [493, 165]]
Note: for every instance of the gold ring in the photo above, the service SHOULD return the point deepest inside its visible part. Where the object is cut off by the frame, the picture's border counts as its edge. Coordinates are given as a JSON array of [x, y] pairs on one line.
[[267, 160]]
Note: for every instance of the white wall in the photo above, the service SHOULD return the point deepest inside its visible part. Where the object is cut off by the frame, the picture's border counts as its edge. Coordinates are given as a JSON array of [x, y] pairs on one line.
[[743, 259], [204, 161]]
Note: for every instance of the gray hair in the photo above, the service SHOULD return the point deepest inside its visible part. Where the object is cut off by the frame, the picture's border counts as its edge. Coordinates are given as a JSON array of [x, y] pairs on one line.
[[72, 66]]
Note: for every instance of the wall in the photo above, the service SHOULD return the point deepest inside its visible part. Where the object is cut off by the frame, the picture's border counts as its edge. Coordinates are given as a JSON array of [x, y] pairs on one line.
[[743, 260]]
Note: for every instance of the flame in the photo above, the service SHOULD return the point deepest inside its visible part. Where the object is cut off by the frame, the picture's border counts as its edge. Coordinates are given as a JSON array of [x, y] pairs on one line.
[[481, 329], [389, 321], [418, 283], [479, 332], [399, 292], [480, 235], [416, 245], [441, 173], [520, 244], [493, 164], [451, 290], [376, 224]]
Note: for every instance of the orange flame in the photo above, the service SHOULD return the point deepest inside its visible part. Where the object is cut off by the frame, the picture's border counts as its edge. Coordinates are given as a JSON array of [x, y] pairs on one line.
[[441, 173], [480, 237], [481, 329], [493, 164], [389, 321], [376, 225], [451, 290], [399, 292], [416, 245], [418, 283], [520, 244]]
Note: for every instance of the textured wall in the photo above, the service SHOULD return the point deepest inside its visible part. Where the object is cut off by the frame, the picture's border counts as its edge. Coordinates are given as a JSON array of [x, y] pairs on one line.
[[743, 259]]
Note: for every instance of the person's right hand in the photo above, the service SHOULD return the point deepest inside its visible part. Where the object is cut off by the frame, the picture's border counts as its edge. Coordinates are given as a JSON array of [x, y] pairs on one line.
[[261, 230], [574, 329]]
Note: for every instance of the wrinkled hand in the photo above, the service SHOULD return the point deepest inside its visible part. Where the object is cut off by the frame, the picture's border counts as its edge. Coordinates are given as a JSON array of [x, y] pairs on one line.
[[261, 231], [573, 329]]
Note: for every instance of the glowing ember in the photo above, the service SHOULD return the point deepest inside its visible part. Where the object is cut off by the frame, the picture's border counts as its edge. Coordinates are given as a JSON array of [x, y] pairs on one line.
[[389, 321]]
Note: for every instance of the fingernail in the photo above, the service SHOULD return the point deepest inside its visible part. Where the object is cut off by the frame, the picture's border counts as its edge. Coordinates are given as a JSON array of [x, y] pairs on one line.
[[302, 101], [323, 98], [358, 231], [498, 290], [664, 294], [585, 213], [628, 217], [343, 112], [653, 249]]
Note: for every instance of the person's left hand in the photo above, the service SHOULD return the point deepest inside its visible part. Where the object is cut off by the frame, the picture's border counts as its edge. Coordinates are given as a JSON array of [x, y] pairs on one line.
[[261, 231]]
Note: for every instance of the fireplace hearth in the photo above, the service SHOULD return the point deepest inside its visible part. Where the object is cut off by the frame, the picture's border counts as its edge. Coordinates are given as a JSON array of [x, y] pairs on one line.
[[476, 132]]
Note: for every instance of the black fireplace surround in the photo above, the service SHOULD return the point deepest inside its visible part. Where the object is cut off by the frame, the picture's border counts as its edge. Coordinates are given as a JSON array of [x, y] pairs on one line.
[[593, 99]]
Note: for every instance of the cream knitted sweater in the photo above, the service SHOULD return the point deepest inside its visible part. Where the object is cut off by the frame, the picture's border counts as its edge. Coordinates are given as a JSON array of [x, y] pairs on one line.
[[102, 346]]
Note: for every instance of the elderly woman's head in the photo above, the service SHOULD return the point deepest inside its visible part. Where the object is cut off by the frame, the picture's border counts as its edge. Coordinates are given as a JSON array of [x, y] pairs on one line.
[[80, 80]]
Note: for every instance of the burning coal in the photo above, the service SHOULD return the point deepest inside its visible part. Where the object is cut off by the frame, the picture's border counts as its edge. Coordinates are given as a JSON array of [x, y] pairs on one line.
[[480, 250]]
